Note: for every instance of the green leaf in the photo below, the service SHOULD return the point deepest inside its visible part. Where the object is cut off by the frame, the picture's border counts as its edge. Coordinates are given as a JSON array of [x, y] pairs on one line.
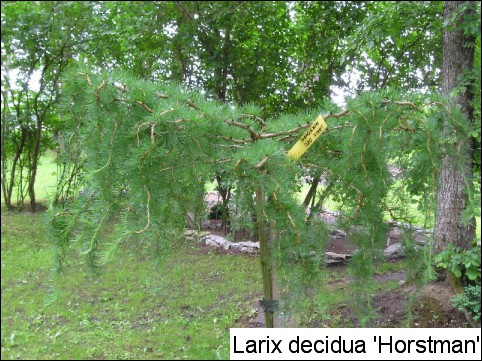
[[472, 274], [457, 272]]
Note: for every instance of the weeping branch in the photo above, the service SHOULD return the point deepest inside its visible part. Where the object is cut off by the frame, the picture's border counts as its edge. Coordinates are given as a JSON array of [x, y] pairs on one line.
[[261, 163], [290, 218]]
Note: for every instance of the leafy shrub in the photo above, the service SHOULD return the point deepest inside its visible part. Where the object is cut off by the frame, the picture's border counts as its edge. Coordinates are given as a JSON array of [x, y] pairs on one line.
[[464, 264], [469, 301]]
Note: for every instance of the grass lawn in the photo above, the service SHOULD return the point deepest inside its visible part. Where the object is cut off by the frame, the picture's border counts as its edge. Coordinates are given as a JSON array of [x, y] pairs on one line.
[[138, 309], [46, 177]]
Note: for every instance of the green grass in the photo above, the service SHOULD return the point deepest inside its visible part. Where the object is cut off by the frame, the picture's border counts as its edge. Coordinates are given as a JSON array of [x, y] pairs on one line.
[[46, 180], [138, 308]]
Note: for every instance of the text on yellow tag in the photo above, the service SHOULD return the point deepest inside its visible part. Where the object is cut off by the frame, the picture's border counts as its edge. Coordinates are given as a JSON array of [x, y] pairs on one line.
[[307, 140]]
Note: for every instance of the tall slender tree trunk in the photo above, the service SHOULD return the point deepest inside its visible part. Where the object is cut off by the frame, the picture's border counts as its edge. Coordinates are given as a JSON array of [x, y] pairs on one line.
[[33, 167], [456, 174]]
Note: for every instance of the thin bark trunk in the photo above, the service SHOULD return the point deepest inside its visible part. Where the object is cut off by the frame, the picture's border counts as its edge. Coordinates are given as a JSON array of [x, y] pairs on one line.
[[34, 166], [270, 301], [312, 192], [225, 193], [11, 184]]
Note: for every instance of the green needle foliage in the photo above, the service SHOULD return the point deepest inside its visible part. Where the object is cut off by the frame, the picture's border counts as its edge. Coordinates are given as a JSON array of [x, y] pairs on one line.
[[148, 150]]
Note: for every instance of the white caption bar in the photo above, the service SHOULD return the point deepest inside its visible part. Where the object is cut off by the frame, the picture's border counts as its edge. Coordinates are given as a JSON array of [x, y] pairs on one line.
[[355, 344]]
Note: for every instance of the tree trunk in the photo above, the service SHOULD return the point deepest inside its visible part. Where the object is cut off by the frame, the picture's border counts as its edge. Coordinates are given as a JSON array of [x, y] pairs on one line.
[[270, 299], [33, 167], [312, 191], [456, 175], [225, 193]]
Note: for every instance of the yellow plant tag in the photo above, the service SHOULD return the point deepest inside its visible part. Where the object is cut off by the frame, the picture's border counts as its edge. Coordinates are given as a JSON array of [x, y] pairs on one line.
[[307, 140]]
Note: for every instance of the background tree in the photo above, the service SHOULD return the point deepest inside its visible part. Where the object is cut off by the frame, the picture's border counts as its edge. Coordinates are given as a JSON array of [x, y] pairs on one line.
[[456, 179], [274, 54], [38, 41], [398, 44], [401, 45]]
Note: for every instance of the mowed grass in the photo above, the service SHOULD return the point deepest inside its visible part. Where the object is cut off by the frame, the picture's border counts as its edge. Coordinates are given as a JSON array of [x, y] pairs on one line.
[[46, 180], [139, 308]]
